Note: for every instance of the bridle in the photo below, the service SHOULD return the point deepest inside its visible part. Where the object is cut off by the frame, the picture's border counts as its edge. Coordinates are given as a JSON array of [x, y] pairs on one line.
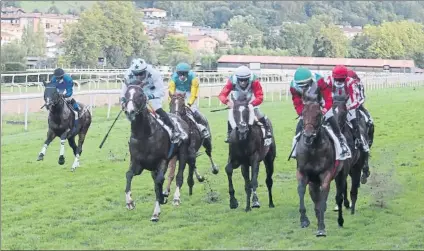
[[138, 110]]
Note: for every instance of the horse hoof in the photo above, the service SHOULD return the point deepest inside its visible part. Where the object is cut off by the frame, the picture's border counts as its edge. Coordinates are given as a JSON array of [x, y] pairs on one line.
[[336, 209], [155, 218], [248, 209], [256, 204], [176, 202], [364, 180], [340, 222], [215, 170], [321, 233], [166, 193], [61, 160], [347, 205], [271, 205], [233, 204], [201, 179], [40, 157], [305, 223], [352, 211], [131, 205]]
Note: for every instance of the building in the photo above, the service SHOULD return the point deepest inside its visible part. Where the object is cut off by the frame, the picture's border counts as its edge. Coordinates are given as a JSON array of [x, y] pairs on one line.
[[178, 25], [50, 22], [203, 44], [351, 32], [153, 13], [276, 63], [10, 32], [12, 11]]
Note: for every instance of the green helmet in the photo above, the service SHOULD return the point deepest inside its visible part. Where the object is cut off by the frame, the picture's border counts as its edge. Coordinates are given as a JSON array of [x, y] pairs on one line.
[[302, 76], [183, 67]]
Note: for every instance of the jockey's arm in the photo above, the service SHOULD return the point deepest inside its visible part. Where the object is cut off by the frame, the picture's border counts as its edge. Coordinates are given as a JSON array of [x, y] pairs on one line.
[[194, 90], [124, 88], [257, 91], [297, 101], [69, 85], [159, 91], [171, 86], [223, 96], [326, 94], [353, 89]]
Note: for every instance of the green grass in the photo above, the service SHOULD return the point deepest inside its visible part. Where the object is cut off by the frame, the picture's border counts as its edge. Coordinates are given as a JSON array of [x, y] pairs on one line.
[[45, 206], [63, 6]]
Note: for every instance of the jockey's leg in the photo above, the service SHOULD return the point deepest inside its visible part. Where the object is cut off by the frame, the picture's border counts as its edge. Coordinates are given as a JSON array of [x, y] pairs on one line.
[[262, 118], [370, 121], [296, 136], [198, 121], [75, 105], [353, 119], [229, 129], [157, 106], [329, 117], [299, 126]]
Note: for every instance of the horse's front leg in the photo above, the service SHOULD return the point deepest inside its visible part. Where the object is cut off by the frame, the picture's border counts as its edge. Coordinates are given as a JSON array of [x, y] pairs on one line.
[[130, 203], [50, 136], [62, 148], [247, 185], [172, 164], [158, 177], [182, 160], [301, 189], [229, 170], [207, 144], [254, 182]]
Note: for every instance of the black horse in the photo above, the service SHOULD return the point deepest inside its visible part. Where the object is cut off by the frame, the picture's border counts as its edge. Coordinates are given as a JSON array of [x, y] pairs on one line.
[[247, 149], [317, 165], [150, 146], [178, 107], [62, 124], [359, 158]]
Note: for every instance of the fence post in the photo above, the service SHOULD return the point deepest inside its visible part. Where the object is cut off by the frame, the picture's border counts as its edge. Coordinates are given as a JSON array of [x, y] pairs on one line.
[[2, 104], [26, 114], [109, 106]]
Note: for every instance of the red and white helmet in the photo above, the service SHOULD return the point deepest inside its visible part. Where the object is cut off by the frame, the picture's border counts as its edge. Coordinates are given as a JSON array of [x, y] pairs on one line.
[[340, 72], [352, 74]]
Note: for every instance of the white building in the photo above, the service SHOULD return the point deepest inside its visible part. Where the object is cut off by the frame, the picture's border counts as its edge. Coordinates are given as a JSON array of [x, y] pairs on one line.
[[153, 13]]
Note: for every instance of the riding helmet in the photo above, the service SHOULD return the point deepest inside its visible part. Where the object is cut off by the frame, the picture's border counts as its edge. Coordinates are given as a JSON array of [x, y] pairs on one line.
[[302, 76], [340, 72], [183, 67], [59, 72]]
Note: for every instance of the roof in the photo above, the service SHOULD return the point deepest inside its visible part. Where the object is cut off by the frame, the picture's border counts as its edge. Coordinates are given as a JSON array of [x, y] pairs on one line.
[[315, 61], [195, 38], [152, 10], [37, 15]]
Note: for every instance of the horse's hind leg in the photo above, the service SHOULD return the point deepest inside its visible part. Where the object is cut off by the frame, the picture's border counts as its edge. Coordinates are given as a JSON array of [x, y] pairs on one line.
[[365, 168], [172, 164], [356, 176], [254, 184], [191, 167], [269, 166], [301, 189], [340, 189], [182, 160], [50, 137], [319, 197], [207, 144], [61, 160], [74, 147]]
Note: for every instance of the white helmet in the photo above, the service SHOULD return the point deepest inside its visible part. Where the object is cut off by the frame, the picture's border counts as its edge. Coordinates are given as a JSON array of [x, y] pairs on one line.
[[243, 72], [138, 66]]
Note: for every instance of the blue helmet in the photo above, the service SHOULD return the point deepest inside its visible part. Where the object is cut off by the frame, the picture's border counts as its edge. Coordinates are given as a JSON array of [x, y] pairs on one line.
[[183, 67]]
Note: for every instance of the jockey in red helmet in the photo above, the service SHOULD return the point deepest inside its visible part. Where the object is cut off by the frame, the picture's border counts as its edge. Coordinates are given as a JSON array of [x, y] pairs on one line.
[[352, 74]]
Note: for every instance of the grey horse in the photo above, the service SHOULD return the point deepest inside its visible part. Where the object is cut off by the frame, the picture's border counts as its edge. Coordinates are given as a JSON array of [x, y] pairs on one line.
[[247, 149], [62, 124], [317, 165], [150, 147]]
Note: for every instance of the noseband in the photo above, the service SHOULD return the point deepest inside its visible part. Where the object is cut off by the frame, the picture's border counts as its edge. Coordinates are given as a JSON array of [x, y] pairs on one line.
[[137, 110]]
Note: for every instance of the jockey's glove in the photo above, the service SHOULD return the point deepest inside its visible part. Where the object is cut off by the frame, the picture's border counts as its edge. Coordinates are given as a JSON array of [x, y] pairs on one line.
[[150, 96], [123, 100], [189, 104]]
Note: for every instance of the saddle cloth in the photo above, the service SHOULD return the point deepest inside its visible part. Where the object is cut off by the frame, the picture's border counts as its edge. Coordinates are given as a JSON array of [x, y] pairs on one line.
[[177, 124]]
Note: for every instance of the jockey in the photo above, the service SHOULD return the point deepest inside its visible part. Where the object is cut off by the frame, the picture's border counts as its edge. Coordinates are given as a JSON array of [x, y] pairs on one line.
[[303, 80], [352, 74], [245, 84], [152, 84], [346, 89], [185, 81], [65, 86]]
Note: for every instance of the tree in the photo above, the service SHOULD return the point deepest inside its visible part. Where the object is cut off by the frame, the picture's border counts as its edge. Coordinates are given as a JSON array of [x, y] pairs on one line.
[[330, 42], [34, 41], [244, 32], [53, 10], [13, 52], [298, 39], [106, 28], [174, 49]]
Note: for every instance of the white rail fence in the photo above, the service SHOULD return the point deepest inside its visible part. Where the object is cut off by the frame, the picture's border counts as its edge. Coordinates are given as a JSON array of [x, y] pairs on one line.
[[32, 102]]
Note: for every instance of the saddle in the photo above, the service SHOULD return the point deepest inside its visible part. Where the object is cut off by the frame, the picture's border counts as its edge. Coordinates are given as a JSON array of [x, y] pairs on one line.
[[177, 124]]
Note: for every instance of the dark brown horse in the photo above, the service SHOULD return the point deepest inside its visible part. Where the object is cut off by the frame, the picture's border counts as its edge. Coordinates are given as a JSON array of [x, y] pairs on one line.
[[247, 149], [359, 158], [178, 107], [62, 124], [317, 165], [150, 146]]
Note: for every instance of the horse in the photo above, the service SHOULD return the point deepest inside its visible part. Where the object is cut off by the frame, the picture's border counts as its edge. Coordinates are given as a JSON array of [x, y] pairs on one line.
[[359, 158], [62, 124], [150, 146], [247, 149], [177, 107], [317, 165]]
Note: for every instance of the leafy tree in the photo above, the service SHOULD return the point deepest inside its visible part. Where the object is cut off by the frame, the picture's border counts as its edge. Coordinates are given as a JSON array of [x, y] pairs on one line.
[[34, 41], [174, 49], [244, 32], [330, 42], [13, 52], [298, 39], [53, 10]]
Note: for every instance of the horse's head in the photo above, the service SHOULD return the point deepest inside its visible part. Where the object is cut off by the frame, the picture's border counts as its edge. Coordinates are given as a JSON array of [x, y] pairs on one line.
[[51, 95], [177, 103], [340, 111], [136, 100], [311, 117], [242, 119]]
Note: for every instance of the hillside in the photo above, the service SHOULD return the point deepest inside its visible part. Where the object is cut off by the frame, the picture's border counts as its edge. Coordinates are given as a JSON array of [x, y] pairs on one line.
[[63, 6]]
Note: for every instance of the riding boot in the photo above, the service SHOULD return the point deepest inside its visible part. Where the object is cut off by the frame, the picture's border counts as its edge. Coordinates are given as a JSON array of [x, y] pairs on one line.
[[296, 137], [299, 126], [164, 116], [357, 134], [335, 127], [203, 129], [370, 121], [267, 126], [229, 129]]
